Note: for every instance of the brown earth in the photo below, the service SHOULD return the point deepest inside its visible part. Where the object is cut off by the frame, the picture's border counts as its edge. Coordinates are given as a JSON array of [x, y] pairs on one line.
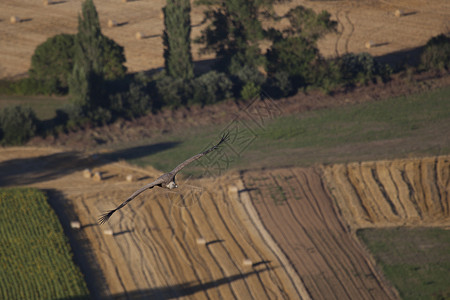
[[295, 207], [359, 22]]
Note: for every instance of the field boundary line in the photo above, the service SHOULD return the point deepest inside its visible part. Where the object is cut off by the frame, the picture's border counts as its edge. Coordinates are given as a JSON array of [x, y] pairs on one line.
[[253, 215]]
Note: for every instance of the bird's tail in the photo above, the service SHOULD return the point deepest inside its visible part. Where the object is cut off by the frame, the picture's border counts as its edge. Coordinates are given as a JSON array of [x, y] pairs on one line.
[[105, 217]]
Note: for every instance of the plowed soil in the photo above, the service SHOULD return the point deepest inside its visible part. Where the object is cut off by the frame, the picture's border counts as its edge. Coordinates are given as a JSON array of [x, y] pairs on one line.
[[358, 22], [295, 207]]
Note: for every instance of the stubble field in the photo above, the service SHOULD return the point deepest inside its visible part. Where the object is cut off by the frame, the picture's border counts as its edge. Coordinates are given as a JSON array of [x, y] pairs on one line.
[[358, 22], [268, 234]]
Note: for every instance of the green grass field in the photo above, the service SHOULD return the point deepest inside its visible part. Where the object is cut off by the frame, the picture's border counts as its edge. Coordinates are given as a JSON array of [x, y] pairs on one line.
[[35, 256], [44, 106], [415, 260], [416, 125]]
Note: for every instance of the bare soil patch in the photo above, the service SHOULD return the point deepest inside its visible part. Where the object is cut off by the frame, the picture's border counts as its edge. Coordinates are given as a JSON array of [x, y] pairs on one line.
[[295, 207], [359, 22]]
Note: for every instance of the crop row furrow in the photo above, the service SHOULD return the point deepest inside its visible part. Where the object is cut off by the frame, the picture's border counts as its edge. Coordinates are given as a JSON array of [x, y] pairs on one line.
[[309, 214]]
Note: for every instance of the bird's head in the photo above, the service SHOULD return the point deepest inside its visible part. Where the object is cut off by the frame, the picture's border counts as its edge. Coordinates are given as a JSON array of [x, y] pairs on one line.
[[172, 185]]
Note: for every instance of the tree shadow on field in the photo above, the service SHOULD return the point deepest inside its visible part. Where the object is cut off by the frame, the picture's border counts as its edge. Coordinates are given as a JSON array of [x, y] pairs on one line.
[[25, 171], [184, 289], [402, 58], [83, 255]]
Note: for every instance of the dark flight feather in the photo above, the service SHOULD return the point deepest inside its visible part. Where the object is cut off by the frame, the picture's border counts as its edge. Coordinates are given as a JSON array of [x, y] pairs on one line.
[[164, 179]]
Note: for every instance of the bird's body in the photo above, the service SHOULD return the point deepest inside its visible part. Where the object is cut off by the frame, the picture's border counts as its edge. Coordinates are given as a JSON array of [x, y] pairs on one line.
[[166, 180]]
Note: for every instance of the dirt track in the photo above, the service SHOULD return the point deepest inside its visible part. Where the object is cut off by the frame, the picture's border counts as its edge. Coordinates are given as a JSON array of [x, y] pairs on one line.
[[359, 22]]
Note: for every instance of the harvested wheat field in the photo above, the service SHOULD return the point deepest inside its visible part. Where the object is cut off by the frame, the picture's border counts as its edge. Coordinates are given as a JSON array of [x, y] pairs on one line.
[[296, 209], [202, 242], [392, 193], [382, 27], [359, 23], [39, 22], [273, 234]]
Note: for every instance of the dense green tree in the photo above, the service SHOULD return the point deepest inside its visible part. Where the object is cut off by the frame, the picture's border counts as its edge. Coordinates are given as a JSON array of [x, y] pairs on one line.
[[436, 53], [234, 32], [304, 22], [176, 39], [293, 55], [17, 125], [96, 59], [294, 49], [52, 62], [86, 83]]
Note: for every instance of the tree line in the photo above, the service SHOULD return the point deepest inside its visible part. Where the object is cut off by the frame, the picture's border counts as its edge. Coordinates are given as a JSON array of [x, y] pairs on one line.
[[90, 67]]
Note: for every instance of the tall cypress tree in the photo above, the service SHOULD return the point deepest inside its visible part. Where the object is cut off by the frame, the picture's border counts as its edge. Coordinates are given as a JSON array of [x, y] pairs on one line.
[[86, 85], [177, 40]]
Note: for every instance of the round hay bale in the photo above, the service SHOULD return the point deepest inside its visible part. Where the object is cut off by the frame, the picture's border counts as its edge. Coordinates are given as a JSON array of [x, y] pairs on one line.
[[14, 19], [247, 262], [75, 225], [232, 189], [97, 176], [369, 44], [87, 173], [139, 36], [398, 13], [112, 23], [201, 241], [108, 232]]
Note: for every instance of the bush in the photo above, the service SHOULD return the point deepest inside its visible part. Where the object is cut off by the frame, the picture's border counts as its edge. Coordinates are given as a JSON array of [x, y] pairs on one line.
[[211, 88], [362, 68], [172, 92], [135, 102], [18, 124], [250, 91], [246, 75], [436, 54], [279, 85], [309, 25], [295, 56], [327, 75]]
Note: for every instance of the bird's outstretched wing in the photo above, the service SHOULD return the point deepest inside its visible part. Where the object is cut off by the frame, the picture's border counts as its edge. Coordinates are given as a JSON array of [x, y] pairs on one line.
[[178, 168], [105, 217]]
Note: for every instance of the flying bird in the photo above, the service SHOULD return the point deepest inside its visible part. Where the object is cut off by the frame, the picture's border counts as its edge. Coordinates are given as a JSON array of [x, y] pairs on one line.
[[166, 180]]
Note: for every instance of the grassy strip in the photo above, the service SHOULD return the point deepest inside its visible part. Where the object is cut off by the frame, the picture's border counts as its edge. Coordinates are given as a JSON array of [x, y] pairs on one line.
[[35, 257], [416, 125], [415, 260], [43, 106]]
